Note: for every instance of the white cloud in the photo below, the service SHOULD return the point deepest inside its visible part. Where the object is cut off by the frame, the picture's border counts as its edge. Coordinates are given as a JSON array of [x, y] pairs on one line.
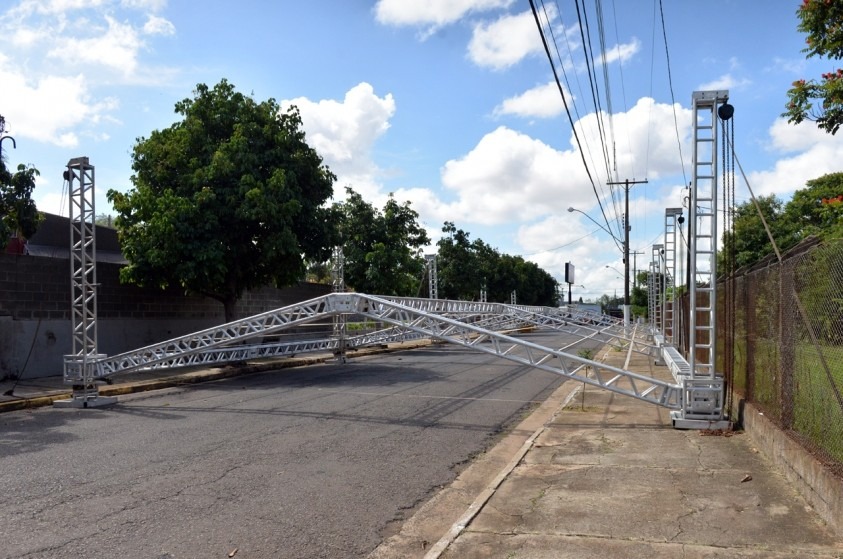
[[543, 101], [117, 48], [514, 178], [814, 154], [157, 25], [344, 132], [145, 5], [54, 7], [645, 139], [50, 109], [725, 82], [432, 13], [622, 52], [505, 42]]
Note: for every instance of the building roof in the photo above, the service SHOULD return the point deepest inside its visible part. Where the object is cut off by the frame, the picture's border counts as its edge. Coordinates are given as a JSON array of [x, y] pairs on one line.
[[53, 240]]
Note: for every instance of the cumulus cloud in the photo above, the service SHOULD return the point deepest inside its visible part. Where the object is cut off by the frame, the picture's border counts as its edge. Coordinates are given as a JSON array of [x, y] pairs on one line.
[[49, 109], [505, 41], [622, 52], [63, 64], [725, 82], [431, 13], [116, 48], [343, 132], [157, 25], [543, 101]]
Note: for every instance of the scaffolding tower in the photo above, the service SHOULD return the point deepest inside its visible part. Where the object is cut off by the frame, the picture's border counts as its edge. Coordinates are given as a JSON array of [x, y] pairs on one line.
[[80, 364], [703, 388]]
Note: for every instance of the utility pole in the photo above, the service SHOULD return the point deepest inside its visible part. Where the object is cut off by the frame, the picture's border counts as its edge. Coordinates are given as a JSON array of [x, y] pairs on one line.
[[626, 186]]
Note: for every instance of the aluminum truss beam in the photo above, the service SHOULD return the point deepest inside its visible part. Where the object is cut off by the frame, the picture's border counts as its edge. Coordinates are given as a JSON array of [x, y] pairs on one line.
[[80, 364], [405, 318], [520, 351]]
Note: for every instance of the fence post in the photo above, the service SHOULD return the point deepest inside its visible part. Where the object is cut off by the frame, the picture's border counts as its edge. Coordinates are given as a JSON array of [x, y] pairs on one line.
[[787, 343], [750, 334]]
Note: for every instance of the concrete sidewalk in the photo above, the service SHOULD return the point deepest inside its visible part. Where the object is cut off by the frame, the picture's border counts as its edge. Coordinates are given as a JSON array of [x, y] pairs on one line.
[[606, 476]]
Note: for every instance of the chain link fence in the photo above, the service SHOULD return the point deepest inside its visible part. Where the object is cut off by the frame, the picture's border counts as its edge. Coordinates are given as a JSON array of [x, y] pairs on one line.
[[780, 344]]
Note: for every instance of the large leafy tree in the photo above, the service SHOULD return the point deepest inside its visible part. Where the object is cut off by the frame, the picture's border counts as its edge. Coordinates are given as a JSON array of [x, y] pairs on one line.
[[459, 267], [229, 198], [817, 209], [819, 100], [382, 249], [18, 213]]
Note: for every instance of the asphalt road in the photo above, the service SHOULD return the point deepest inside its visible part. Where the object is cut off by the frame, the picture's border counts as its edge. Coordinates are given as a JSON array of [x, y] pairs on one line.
[[322, 461]]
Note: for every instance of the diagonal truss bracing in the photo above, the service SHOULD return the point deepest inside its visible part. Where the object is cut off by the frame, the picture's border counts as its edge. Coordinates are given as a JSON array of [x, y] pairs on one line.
[[405, 315]]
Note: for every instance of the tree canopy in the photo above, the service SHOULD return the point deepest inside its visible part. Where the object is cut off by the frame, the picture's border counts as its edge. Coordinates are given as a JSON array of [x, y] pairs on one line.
[[466, 266], [816, 209], [229, 198], [18, 213], [820, 100], [382, 249]]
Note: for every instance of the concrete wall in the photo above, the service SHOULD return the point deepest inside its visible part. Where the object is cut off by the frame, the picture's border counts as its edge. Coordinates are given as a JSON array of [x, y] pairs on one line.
[[35, 313], [815, 482]]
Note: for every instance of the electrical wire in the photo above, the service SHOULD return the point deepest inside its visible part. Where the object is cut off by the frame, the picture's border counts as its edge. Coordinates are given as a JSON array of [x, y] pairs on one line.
[[567, 109], [672, 97], [575, 241]]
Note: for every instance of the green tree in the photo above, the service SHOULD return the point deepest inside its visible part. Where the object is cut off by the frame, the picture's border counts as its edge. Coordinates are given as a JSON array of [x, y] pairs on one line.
[[748, 242], [229, 198], [18, 213], [467, 266], [382, 249], [817, 209], [460, 277], [819, 101]]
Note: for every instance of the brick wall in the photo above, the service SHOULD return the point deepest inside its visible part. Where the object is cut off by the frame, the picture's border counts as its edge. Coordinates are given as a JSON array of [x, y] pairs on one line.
[[33, 287], [35, 313]]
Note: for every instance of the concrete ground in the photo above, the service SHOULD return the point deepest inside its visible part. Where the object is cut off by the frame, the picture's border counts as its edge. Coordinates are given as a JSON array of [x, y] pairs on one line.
[[590, 474], [606, 476]]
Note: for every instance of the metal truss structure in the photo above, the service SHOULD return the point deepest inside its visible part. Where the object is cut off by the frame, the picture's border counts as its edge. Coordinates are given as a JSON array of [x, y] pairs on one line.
[[79, 365], [695, 398], [671, 233], [703, 388], [450, 321]]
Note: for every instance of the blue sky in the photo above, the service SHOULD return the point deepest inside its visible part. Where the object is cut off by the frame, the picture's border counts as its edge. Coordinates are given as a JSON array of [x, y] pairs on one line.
[[447, 103]]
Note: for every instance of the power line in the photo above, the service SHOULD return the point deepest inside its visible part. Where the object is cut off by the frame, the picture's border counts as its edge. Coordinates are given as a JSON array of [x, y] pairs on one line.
[[567, 110]]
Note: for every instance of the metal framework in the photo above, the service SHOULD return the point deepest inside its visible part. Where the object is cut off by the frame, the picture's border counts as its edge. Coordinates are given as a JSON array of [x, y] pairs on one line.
[[433, 275], [671, 233], [340, 326], [657, 319], [695, 398], [79, 365], [704, 389], [406, 315]]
